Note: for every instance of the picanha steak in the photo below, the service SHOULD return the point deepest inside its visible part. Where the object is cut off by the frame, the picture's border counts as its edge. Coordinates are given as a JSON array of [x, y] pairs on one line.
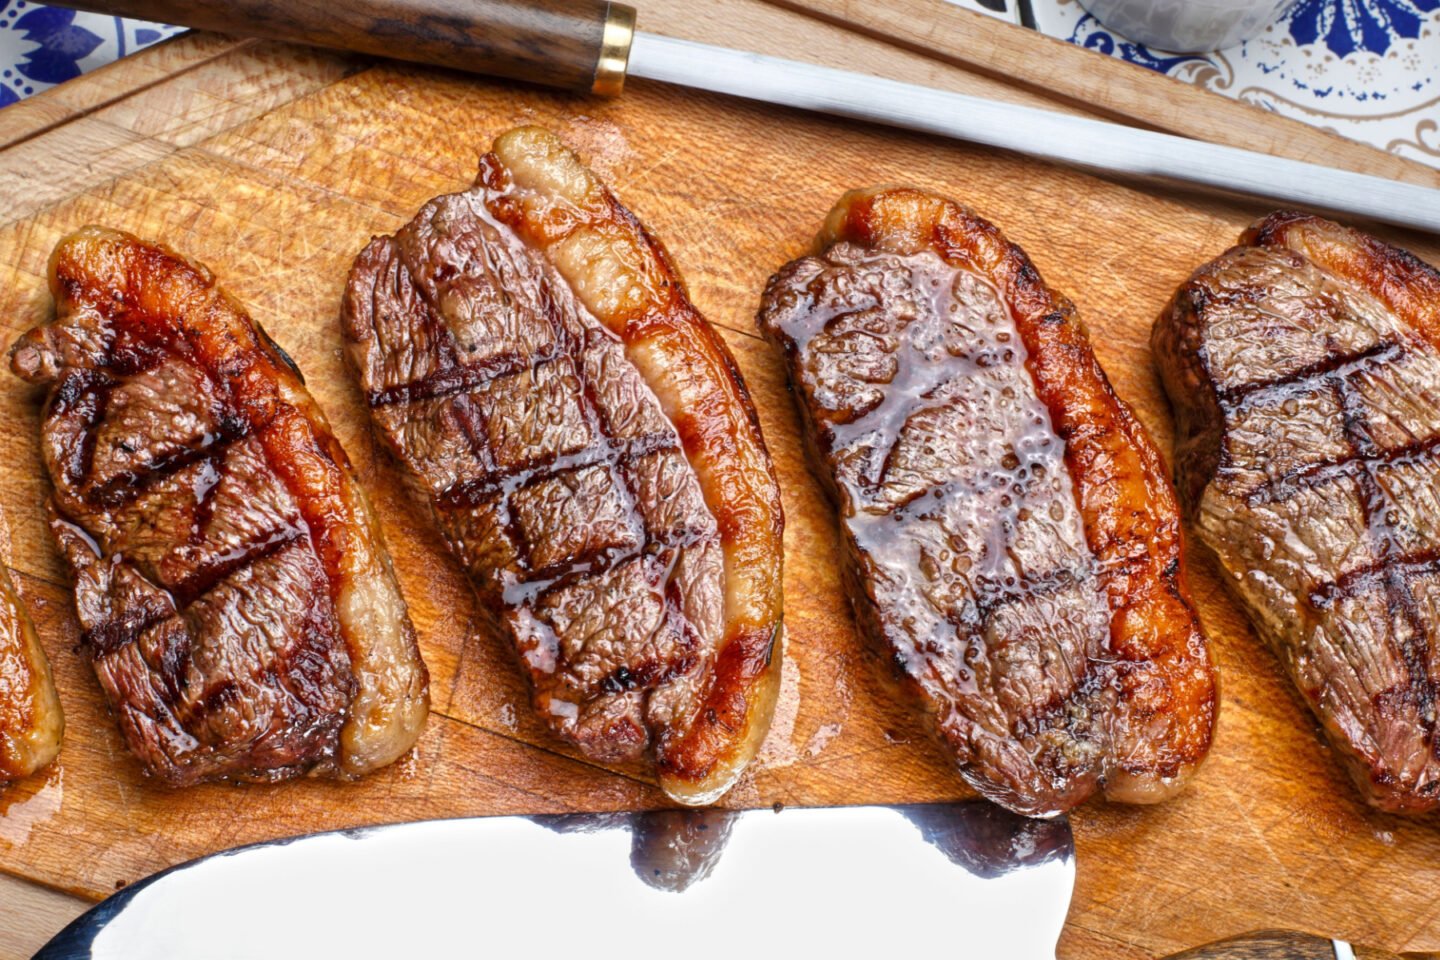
[[591, 455], [31, 723], [1304, 369], [236, 596], [1013, 541]]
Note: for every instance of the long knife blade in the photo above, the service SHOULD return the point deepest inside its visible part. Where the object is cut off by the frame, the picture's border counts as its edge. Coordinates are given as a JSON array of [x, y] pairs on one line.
[[591, 44], [1092, 144], [949, 879]]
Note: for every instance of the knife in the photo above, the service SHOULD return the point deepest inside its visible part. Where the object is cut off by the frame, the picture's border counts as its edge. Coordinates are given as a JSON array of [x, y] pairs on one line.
[[592, 45], [963, 880]]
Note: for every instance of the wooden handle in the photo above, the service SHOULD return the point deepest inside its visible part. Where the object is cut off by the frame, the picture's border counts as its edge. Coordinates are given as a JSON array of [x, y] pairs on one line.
[[1276, 945], [578, 44]]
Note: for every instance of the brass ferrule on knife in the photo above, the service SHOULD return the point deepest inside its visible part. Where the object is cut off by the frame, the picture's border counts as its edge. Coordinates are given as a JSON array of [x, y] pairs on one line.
[[615, 39]]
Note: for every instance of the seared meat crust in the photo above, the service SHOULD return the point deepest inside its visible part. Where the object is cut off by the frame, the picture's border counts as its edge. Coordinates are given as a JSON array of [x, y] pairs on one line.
[[590, 454], [1304, 369], [233, 586], [31, 722], [1014, 545]]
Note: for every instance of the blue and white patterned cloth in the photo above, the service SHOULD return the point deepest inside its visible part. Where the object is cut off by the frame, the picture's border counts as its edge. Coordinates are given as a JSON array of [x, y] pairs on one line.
[[1368, 69], [41, 46]]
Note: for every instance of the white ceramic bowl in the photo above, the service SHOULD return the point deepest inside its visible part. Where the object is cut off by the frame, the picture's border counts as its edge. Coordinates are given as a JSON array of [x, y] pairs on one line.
[[1187, 26]]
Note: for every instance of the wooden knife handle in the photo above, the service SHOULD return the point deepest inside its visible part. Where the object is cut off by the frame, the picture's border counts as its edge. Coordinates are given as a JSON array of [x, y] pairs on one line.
[[1276, 945], [577, 44]]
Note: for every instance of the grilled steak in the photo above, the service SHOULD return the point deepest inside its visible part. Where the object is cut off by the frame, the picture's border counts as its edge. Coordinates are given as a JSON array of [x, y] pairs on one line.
[[1014, 545], [590, 454], [31, 724], [1304, 368], [234, 590]]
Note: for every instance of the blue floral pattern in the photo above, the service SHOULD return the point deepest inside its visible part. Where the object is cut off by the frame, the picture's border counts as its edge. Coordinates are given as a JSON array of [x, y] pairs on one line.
[[1368, 69], [61, 44], [1346, 26], [1343, 27], [1090, 34], [41, 46]]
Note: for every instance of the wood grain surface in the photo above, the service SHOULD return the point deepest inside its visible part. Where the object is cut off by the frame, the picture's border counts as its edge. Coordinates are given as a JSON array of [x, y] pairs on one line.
[[275, 165]]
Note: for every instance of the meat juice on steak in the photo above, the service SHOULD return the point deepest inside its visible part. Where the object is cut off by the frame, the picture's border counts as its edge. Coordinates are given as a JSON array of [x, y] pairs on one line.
[[1013, 544]]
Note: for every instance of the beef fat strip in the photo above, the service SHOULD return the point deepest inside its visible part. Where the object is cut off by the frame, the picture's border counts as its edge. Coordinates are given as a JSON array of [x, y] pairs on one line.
[[1304, 368], [1013, 542], [235, 593], [31, 723], [591, 455]]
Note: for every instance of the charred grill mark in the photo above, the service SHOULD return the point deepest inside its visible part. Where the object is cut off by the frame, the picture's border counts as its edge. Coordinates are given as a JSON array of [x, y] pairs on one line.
[[123, 630], [1390, 572], [1414, 647], [131, 355], [455, 379], [129, 485], [504, 243], [174, 658], [87, 391], [205, 487], [651, 673], [597, 421], [1328, 471], [1374, 688], [535, 585], [1078, 732], [617, 454], [200, 582], [1354, 423], [75, 384], [215, 698], [303, 672], [1375, 576], [1056, 714], [690, 638], [470, 415], [655, 673], [622, 679], [126, 628], [991, 595], [1337, 366], [83, 394], [1336, 369], [611, 451]]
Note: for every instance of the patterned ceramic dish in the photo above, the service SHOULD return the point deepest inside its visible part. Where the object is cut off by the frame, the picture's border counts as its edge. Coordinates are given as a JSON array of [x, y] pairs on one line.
[[1188, 25], [1367, 69]]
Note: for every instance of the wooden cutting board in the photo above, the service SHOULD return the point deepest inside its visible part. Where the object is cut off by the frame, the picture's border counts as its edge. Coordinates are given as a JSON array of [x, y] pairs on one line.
[[274, 165]]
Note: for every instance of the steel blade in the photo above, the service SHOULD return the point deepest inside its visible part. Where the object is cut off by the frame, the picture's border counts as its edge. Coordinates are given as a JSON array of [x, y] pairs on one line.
[[949, 879], [1088, 143]]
